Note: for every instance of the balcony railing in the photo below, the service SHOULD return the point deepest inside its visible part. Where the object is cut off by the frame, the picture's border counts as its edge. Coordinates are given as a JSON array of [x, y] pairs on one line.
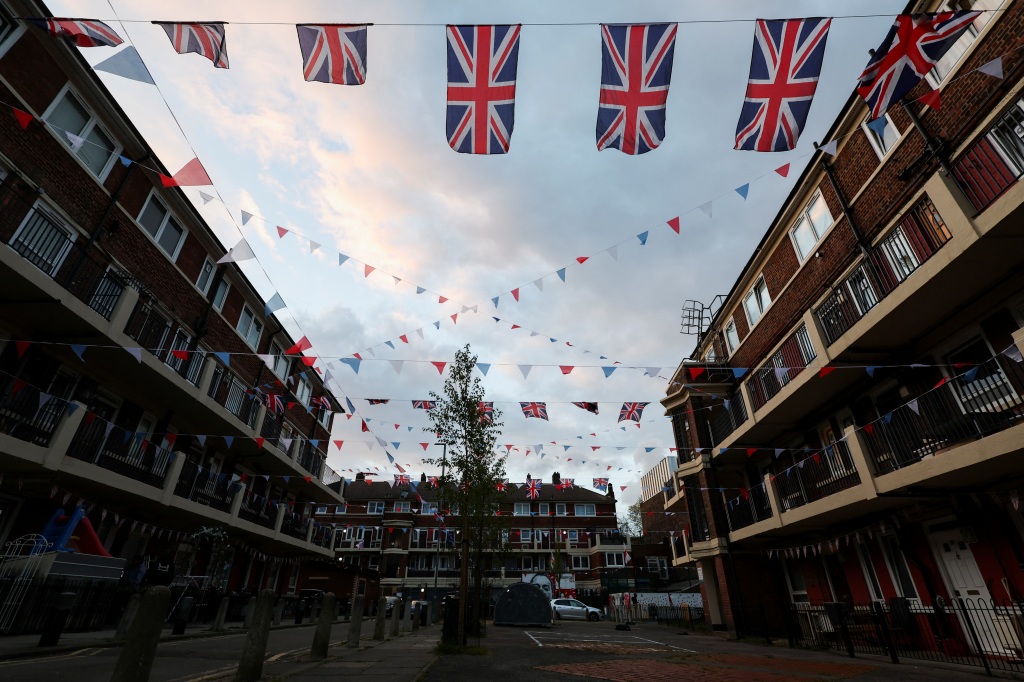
[[311, 459], [163, 337], [52, 248], [26, 413], [995, 162], [787, 362], [120, 451], [824, 473], [916, 239], [204, 486], [229, 392], [294, 525], [980, 401], [746, 510], [271, 428], [727, 421]]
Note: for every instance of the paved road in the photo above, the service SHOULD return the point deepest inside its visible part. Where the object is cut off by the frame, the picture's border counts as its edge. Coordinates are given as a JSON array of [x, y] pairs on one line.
[[567, 652], [176, 661]]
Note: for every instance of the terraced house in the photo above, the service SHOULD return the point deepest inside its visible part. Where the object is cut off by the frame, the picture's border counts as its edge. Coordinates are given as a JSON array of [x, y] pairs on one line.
[[129, 378], [850, 422]]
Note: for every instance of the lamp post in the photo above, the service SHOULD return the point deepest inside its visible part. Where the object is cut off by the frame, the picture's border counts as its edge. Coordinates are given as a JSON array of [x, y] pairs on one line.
[[437, 554]]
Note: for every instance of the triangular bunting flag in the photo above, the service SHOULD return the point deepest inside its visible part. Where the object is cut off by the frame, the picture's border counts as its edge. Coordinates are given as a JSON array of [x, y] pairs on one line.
[[933, 99], [742, 190], [273, 305], [128, 64], [24, 118], [525, 369], [643, 238], [483, 367], [439, 365], [674, 224], [367, 269], [993, 68], [239, 252], [783, 170], [192, 174], [561, 274]]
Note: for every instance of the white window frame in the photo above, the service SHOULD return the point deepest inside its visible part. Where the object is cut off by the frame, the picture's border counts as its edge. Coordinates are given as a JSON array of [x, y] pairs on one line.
[[403, 506], [965, 41], [375, 507], [615, 559], [168, 216], [252, 320], [573, 535], [219, 307], [888, 554], [805, 218], [521, 509], [208, 263], [580, 563], [303, 391], [560, 509], [428, 508], [322, 509], [796, 595], [526, 535], [90, 125], [280, 367], [870, 574], [543, 509], [755, 294], [732, 342], [877, 142], [588, 509], [11, 36], [341, 509]]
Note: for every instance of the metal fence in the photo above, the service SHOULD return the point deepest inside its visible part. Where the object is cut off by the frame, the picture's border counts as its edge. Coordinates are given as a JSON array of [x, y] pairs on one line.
[[97, 604], [787, 362]]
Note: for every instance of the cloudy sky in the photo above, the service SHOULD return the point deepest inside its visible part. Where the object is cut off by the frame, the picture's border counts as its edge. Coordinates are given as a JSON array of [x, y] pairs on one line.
[[366, 171]]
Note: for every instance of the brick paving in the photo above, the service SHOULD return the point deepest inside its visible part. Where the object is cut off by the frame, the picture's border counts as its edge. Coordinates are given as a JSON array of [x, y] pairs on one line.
[[731, 668]]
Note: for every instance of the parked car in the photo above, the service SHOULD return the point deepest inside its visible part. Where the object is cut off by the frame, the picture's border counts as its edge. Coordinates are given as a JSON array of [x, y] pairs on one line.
[[571, 609], [391, 606]]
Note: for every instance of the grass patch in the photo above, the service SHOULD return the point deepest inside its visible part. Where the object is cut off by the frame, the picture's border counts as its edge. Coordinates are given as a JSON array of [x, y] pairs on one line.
[[443, 649]]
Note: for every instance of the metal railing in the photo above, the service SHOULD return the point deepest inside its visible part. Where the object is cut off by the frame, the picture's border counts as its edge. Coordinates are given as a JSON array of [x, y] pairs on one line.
[[294, 525], [913, 241], [232, 396], [958, 411], [257, 509], [205, 487], [746, 510], [163, 337], [729, 419], [971, 632], [123, 452], [995, 162], [330, 476], [271, 427], [787, 362], [311, 459], [824, 473], [28, 414]]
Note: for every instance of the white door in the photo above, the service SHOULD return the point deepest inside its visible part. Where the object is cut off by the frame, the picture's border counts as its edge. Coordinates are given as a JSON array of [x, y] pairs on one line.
[[965, 582]]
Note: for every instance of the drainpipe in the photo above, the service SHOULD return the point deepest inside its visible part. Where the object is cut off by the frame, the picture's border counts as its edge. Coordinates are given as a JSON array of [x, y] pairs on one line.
[[847, 210], [935, 146]]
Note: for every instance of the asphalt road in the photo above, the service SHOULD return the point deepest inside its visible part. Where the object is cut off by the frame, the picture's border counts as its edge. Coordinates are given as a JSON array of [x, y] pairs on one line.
[[177, 661]]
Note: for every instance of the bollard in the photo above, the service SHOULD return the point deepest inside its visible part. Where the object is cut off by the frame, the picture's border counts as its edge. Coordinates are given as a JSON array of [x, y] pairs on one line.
[[135, 661], [314, 611], [409, 614], [250, 666], [250, 606], [395, 617], [278, 612], [57, 620], [355, 627], [181, 613], [416, 606], [128, 616], [300, 611], [378, 626], [430, 613], [222, 614], [322, 635]]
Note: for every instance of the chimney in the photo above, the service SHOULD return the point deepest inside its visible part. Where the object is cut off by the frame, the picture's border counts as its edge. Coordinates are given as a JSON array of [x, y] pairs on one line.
[[360, 476], [611, 491], [423, 478], [556, 478]]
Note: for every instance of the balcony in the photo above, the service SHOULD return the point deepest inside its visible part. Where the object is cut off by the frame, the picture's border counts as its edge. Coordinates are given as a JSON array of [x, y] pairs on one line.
[[28, 414], [907, 246], [204, 487], [980, 401], [311, 459], [233, 396], [271, 428], [995, 162], [724, 423], [746, 510], [822, 474], [163, 337], [786, 363], [123, 452], [294, 525]]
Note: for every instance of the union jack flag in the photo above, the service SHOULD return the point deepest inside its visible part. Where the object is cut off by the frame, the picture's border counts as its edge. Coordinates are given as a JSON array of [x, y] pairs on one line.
[[482, 64], [632, 411], [275, 403], [402, 479], [323, 402], [784, 69], [636, 69], [589, 407], [423, 404], [914, 44], [378, 401], [486, 412], [601, 484], [333, 53], [500, 484], [433, 481], [81, 32], [568, 483], [208, 40], [535, 410], [533, 488]]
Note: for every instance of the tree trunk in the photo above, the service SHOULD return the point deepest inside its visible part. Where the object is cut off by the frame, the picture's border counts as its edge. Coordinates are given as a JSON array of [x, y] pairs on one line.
[[463, 580]]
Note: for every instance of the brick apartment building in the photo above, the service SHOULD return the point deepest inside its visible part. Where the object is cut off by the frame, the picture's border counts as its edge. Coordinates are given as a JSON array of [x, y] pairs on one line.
[[394, 528], [849, 423], [139, 393]]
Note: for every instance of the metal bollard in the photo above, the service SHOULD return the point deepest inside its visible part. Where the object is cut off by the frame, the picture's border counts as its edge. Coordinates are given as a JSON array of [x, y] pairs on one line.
[[135, 661], [57, 619], [250, 666]]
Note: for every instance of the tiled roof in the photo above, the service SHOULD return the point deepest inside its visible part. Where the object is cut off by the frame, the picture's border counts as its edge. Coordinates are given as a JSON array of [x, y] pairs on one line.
[[382, 490]]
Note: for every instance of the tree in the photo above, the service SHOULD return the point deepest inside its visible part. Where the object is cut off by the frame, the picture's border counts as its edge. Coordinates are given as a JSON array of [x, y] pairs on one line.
[[470, 467], [632, 523]]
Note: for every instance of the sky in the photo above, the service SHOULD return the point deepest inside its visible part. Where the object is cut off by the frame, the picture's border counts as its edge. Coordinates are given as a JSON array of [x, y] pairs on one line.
[[366, 171]]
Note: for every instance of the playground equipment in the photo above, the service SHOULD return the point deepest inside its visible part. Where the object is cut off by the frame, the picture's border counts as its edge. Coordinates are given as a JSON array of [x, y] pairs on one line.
[[60, 533]]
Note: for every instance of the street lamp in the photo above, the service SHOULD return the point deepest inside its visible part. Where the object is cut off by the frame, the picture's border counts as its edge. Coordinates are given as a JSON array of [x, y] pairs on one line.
[[437, 554]]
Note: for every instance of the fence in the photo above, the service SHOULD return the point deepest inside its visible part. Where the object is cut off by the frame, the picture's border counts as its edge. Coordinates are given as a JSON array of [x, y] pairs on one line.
[[788, 361], [98, 603]]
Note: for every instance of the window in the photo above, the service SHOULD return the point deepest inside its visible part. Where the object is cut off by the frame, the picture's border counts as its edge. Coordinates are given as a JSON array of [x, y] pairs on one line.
[[324, 417], [814, 220], [614, 559], [42, 240], [159, 224], [93, 147], [525, 535], [560, 509], [732, 338], [429, 508], [573, 535], [521, 509], [205, 276], [586, 510], [220, 295], [375, 507], [403, 506], [543, 509], [897, 565], [280, 361], [581, 563], [341, 509], [321, 510], [882, 141], [870, 577], [527, 563], [944, 66], [249, 327], [8, 26], [303, 391], [710, 356], [756, 301], [795, 580]]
